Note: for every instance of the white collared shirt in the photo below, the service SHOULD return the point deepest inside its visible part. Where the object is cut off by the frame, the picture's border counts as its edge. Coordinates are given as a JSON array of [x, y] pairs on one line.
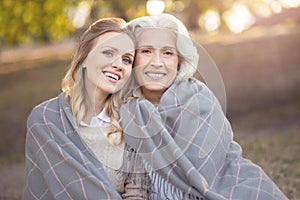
[[101, 120]]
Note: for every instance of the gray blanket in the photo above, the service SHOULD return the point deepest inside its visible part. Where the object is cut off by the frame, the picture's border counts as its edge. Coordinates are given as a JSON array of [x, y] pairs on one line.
[[188, 142], [58, 164]]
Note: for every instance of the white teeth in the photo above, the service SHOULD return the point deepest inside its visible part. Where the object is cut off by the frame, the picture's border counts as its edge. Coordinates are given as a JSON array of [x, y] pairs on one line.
[[158, 75], [111, 75]]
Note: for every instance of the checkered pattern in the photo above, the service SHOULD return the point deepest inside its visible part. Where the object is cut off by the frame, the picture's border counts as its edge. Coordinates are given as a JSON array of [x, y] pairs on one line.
[[188, 141], [58, 164]]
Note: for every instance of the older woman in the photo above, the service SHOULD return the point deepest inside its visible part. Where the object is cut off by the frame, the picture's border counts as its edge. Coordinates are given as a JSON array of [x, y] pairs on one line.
[[177, 125]]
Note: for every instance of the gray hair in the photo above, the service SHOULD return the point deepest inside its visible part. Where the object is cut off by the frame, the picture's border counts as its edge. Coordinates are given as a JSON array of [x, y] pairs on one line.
[[187, 50]]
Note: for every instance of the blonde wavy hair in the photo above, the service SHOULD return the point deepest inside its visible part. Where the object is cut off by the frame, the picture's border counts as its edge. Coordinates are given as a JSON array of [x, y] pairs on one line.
[[73, 82]]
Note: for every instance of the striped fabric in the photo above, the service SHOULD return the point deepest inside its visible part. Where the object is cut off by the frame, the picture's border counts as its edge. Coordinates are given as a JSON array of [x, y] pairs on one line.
[[58, 164], [187, 141]]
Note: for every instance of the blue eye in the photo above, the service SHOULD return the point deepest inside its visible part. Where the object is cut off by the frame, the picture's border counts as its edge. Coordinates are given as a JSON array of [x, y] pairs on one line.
[[127, 60], [108, 53]]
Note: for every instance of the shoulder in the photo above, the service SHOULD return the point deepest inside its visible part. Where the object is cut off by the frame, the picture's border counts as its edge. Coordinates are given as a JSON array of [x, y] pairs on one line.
[[191, 85], [191, 92], [194, 84], [197, 88], [43, 110], [187, 89]]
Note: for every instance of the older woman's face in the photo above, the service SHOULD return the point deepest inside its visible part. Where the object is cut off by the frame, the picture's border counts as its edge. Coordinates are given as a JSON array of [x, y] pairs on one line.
[[109, 64], [156, 61]]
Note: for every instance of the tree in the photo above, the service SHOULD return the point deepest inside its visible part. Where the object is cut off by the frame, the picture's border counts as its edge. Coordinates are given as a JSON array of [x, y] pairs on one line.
[[27, 21], [24, 21]]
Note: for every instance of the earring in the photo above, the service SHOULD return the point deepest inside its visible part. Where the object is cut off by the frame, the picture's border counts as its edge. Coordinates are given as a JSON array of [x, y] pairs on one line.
[[83, 70]]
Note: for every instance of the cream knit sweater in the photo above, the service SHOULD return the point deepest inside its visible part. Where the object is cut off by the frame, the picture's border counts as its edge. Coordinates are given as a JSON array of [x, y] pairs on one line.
[[111, 157]]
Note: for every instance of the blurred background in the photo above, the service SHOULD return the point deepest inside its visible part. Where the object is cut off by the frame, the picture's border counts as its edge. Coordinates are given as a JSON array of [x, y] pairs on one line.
[[254, 43]]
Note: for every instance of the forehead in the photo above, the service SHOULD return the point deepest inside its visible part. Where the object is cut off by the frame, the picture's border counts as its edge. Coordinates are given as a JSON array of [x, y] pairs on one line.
[[156, 37], [119, 41]]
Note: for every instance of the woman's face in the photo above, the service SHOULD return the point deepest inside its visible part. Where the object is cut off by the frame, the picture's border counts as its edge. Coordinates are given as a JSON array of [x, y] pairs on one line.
[[156, 60], [109, 63]]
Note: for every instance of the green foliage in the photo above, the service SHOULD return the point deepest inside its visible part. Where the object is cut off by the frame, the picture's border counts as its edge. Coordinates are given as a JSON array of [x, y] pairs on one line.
[[25, 21], [128, 9], [31, 21]]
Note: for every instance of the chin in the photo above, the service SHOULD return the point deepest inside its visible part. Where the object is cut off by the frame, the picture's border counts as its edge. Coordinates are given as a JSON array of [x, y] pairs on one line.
[[155, 87], [110, 90]]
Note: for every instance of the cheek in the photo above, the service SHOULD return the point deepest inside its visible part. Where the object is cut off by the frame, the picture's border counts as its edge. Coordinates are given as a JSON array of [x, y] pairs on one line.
[[96, 60], [140, 60], [137, 70], [128, 72], [138, 74], [173, 64]]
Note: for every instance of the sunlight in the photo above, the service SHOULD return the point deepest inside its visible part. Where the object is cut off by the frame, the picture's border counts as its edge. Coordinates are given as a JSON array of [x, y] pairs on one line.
[[178, 6], [290, 3], [210, 20], [268, 1], [155, 7], [276, 7], [239, 18], [80, 14], [263, 10]]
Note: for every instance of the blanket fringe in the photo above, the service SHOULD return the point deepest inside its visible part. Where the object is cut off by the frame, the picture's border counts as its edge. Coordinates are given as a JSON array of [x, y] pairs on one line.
[[157, 186], [160, 189]]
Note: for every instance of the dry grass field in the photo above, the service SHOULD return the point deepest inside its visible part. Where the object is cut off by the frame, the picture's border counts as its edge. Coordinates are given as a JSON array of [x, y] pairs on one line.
[[261, 77]]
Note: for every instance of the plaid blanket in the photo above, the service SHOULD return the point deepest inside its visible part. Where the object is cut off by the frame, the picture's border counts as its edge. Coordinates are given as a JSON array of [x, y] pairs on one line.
[[188, 143], [58, 164]]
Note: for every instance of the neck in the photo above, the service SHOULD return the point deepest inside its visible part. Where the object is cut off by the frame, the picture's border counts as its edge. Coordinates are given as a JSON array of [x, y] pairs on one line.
[[153, 96], [95, 101]]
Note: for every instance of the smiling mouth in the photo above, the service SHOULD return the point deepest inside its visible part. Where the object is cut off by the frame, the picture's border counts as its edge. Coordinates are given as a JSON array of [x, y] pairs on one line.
[[155, 75], [112, 76]]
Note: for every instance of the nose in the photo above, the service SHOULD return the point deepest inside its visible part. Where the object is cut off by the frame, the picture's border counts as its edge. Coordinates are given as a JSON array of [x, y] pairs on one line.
[[156, 59], [117, 63]]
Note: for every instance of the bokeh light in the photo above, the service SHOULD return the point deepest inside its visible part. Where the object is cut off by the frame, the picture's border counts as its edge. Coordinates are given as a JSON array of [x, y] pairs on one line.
[[155, 7], [276, 6], [263, 10], [290, 3], [239, 18], [178, 6], [210, 21], [80, 14]]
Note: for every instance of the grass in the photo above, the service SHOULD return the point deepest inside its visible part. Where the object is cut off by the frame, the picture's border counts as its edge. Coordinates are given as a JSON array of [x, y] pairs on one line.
[[270, 137], [278, 155]]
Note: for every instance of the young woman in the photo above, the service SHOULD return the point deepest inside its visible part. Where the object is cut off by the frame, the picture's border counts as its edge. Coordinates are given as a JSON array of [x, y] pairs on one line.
[[177, 125], [74, 143]]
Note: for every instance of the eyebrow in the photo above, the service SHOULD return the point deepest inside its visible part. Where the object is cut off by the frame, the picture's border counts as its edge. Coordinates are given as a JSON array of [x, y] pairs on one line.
[[152, 47], [146, 46], [118, 50], [129, 54]]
